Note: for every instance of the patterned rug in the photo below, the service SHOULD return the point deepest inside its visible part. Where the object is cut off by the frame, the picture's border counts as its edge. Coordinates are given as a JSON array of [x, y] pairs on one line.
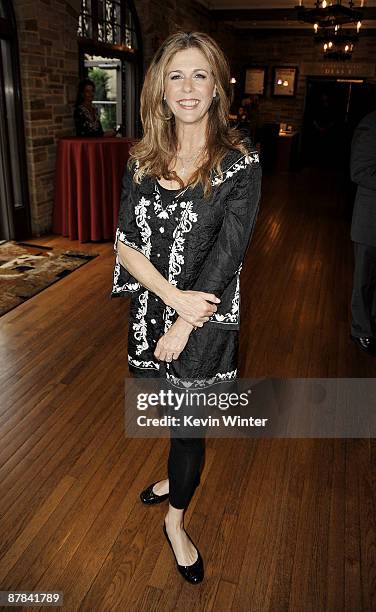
[[27, 269]]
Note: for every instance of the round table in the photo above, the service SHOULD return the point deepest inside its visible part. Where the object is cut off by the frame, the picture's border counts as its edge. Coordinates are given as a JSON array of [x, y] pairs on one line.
[[87, 186]]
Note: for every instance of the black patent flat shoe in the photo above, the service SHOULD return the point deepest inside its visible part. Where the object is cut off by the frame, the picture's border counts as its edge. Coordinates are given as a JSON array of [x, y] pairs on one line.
[[193, 573], [365, 343], [149, 497]]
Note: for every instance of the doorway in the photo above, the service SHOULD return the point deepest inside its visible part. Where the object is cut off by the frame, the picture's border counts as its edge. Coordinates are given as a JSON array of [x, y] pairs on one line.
[[333, 108], [14, 202], [110, 53], [116, 86]]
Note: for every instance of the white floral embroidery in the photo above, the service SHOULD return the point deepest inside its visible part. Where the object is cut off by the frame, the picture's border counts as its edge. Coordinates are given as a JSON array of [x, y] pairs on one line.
[[145, 230], [144, 365], [176, 259], [233, 316], [240, 164], [121, 236], [140, 329], [145, 248], [162, 213], [201, 383], [128, 286], [236, 298]]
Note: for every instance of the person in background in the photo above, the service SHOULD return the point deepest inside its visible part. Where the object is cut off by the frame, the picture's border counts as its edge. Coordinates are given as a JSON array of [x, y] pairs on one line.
[[253, 111], [325, 134], [363, 234], [86, 115], [243, 124]]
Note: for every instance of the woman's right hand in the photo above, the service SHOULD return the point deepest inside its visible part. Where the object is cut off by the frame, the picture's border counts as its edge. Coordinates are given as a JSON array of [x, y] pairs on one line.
[[195, 307]]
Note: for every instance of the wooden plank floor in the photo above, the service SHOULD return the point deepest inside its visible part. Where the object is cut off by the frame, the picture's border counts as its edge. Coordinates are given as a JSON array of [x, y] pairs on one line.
[[282, 524]]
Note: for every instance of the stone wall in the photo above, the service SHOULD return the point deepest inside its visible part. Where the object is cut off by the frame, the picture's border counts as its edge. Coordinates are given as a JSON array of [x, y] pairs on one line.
[[47, 34]]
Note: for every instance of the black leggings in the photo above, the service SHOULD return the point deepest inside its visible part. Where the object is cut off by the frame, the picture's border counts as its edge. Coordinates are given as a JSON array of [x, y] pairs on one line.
[[184, 462]]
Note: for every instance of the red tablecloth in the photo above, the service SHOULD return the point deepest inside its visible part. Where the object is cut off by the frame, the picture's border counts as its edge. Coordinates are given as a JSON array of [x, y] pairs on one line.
[[87, 186]]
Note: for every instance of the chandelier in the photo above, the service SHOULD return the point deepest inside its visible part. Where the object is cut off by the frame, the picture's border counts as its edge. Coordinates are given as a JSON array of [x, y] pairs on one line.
[[328, 19]]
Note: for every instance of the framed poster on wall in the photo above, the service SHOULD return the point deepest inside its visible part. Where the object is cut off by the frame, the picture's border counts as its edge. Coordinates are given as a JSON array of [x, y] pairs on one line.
[[255, 80], [284, 81]]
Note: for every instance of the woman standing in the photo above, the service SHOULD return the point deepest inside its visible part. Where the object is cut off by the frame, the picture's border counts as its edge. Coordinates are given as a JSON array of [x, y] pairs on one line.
[[189, 201], [86, 116]]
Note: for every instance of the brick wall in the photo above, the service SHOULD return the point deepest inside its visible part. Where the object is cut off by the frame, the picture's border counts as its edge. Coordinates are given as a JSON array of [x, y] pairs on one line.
[[49, 67], [158, 20], [47, 33]]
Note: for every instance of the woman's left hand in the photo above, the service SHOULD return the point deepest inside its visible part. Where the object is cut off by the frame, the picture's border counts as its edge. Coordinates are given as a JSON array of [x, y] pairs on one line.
[[173, 342]]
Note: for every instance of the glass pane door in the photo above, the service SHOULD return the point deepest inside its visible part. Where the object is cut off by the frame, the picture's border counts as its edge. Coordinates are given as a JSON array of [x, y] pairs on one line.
[[6, 192], [14, 215], [106, 74]]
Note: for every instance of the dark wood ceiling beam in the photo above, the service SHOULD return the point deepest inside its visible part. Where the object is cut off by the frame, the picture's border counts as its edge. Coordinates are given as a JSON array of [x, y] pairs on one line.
[[270, 14]]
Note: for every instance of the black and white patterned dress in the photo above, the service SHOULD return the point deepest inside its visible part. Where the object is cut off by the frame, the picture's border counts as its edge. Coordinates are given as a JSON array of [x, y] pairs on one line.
[[87, 125], [195, 244]]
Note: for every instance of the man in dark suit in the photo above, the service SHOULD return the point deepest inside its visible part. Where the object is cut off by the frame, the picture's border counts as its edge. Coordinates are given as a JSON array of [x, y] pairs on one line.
[[363, 233]]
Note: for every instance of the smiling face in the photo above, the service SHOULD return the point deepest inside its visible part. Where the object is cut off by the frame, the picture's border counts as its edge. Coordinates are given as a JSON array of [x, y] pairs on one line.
[[189, 86]]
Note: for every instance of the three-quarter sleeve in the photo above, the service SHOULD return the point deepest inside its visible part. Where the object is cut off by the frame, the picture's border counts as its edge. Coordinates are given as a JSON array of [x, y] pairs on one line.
[[228, 251], [128, 232]]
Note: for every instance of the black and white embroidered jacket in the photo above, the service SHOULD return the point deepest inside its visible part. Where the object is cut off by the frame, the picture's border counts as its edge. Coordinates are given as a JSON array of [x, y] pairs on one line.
[[195, 243]]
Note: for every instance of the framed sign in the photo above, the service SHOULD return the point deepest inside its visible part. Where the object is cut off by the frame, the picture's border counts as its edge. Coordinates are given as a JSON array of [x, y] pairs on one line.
[[284, 81], [255, 80]]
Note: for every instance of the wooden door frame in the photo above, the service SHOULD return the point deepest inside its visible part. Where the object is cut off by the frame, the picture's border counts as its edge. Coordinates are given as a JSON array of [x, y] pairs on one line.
[[21, 216]]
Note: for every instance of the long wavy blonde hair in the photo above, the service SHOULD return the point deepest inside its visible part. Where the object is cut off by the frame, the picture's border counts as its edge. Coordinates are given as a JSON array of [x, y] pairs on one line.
[[158, 147]]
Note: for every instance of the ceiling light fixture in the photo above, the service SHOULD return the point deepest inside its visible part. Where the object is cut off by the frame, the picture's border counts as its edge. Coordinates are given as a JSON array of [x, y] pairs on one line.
[[328, 19]]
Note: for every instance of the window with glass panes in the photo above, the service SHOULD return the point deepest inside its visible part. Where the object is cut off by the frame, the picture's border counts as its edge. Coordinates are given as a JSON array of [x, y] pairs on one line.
[[108, 21]]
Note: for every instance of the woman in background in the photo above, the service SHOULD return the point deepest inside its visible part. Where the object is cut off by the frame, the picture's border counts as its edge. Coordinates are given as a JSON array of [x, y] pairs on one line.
[[86, 115]]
